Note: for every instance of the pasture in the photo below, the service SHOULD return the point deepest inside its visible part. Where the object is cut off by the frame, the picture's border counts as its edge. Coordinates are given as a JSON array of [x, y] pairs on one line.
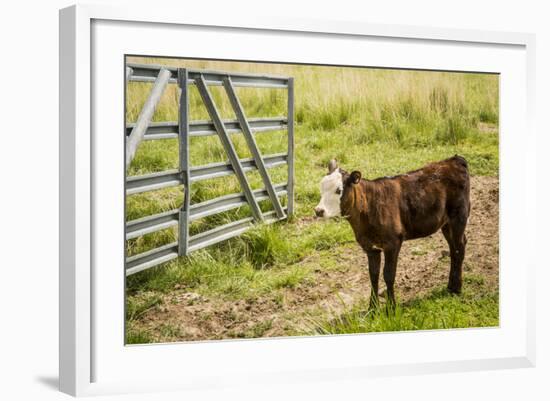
[[306, 276]]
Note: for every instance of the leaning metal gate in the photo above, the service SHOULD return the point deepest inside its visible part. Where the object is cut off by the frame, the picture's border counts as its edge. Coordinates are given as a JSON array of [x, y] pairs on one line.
[[186, 175]]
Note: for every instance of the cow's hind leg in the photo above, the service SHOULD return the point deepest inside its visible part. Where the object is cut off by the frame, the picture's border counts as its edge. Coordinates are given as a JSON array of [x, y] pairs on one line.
[[390, 267], [374, 274], [456, 238]]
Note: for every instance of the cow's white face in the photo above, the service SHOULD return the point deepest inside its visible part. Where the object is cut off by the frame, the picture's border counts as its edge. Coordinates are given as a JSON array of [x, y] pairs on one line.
[[331, 192]]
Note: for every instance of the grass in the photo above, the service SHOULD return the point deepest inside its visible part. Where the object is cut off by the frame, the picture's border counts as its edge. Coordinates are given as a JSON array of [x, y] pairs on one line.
[[381, 122], [264, 259], [437, 310]]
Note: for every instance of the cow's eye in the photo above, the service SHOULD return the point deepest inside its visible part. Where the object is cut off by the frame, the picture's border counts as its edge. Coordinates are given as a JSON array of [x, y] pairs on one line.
[[338, 191]]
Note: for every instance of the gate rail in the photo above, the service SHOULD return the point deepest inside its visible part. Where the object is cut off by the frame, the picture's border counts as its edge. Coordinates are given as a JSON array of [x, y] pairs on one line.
[[186, 174]]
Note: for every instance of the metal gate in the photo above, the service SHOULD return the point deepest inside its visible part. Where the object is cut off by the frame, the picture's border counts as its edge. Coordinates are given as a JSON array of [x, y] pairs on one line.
[[186, 174]]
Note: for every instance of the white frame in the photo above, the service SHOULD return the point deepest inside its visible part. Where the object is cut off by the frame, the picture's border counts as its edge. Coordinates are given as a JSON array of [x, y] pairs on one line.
[[76, 206]]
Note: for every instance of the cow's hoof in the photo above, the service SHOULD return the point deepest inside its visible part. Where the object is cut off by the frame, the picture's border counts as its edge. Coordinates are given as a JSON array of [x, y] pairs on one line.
[[454, 290]]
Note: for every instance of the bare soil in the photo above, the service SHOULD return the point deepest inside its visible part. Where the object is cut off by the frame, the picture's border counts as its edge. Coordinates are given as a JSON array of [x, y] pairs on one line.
[[423, 266]]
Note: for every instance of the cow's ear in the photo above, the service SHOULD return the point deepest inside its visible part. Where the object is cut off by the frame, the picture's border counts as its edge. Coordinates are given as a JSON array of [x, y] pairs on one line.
[[355, 177], [332, 165]]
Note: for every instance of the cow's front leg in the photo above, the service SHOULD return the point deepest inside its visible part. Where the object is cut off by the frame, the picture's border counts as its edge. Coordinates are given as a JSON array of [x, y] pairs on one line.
[[374, 257], [391, 253]]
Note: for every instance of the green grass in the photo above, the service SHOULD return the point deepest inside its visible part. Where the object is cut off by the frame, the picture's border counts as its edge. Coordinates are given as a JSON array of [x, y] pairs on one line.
[[380, 122], [136, 335], [136, 307], [264, 259], [438, 310]]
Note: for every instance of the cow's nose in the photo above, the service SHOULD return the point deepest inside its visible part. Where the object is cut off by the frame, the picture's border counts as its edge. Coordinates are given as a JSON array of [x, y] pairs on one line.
[[319, 212]]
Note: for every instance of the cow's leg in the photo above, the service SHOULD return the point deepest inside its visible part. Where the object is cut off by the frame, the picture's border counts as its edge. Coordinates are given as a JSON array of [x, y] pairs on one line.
[[390, 267], [446, 230], [374, 274], [456, 238]]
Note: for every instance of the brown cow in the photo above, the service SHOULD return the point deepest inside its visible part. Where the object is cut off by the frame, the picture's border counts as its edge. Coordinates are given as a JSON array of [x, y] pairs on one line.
[[387, 211]]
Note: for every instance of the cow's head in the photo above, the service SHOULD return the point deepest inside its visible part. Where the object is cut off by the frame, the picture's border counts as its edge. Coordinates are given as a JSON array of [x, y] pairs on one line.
[[331, 192], [334, 186]]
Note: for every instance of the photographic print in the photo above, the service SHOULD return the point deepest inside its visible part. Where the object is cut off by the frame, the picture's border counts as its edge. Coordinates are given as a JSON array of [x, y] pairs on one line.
[[275, 200]]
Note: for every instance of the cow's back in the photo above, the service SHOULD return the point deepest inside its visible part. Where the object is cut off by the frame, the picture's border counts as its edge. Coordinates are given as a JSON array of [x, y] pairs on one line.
[[430, 196]]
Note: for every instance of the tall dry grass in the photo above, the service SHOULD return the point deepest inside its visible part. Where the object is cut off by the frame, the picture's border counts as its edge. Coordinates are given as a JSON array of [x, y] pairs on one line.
[[394, 105]]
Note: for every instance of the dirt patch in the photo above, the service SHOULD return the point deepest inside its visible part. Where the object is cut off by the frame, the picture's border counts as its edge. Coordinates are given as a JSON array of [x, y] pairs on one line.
[[423, 266]]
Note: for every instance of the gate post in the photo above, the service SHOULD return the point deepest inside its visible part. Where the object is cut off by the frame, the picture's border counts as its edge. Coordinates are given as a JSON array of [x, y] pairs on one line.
[[290, 160], [184, 168]]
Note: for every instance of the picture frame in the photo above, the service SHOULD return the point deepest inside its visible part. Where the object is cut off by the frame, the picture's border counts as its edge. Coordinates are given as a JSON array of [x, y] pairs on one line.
[[93, 358]]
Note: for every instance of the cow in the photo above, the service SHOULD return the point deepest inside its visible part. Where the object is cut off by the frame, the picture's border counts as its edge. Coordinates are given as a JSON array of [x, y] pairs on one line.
[[386, 211]]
